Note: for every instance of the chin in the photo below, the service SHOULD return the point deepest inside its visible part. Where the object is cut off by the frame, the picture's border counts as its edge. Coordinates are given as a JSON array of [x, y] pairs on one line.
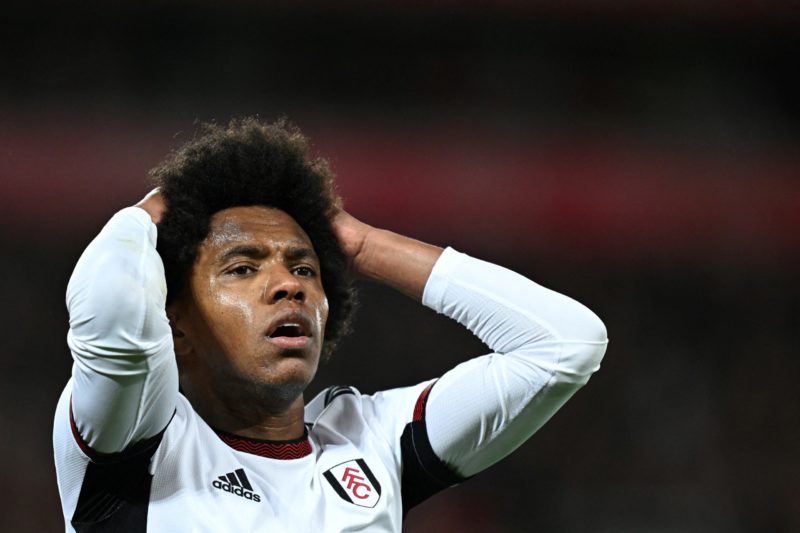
[[286, 382]]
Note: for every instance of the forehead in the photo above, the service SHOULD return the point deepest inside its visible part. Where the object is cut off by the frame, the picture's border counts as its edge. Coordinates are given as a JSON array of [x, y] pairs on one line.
[[253, 224]]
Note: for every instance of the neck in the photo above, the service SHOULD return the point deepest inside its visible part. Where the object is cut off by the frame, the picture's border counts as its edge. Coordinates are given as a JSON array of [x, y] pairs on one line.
[[257, 416]]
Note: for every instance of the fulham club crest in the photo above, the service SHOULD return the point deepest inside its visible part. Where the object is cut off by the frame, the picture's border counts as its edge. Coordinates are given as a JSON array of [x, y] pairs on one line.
[[354, 482]]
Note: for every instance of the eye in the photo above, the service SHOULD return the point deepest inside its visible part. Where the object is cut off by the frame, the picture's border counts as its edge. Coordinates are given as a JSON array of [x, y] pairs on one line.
[[304, 271], [241, 270]]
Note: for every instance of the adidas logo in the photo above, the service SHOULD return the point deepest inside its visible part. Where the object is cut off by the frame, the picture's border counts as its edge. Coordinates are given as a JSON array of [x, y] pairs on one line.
[[236, 482]]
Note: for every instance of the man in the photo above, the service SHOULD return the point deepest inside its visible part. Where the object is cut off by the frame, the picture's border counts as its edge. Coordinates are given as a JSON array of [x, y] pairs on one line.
[[185, 411]]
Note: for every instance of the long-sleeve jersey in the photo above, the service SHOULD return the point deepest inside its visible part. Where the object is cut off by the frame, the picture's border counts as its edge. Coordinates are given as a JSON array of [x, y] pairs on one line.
[[132, 454]]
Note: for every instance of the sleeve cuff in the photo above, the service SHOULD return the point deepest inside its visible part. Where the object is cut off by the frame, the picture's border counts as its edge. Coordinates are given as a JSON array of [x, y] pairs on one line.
[[440, 277], [136, 216]]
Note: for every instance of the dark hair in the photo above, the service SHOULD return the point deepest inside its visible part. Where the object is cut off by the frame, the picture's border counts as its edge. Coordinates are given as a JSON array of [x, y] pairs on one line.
[[252, 163]]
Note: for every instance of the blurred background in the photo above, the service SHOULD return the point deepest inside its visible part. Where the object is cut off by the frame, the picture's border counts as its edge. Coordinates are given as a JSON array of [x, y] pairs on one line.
[[639, 155]]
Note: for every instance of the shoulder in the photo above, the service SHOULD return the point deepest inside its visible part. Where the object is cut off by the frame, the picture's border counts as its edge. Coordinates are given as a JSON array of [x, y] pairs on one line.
[[383, 414], [326, 397]]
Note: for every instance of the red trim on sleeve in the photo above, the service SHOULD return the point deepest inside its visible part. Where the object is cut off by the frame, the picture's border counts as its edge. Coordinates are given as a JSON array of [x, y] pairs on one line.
[[77, 435], [146, 446], [419, 408]]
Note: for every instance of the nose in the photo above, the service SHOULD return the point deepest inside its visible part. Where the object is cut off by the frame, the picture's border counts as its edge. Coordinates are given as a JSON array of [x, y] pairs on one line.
[[283, 285]]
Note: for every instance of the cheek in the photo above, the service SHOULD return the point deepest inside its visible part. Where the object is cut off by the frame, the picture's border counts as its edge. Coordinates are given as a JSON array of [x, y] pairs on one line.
[[321, 315], [235, 307], [227, 311]]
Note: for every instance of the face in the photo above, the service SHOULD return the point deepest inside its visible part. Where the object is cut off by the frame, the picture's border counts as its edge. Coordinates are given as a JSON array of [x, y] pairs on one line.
[[253, 316]]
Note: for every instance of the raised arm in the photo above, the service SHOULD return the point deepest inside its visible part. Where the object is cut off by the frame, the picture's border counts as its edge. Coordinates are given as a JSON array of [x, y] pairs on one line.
[[124, 379], [547, 345]]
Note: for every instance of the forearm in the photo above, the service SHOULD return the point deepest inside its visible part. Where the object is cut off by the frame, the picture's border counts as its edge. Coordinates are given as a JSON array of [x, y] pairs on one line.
[[117, 288], [400, 262]]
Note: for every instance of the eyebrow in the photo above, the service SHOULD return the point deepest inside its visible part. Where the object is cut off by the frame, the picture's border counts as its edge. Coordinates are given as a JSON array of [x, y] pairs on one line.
[[293, 253], [246, 250], [297, 253]]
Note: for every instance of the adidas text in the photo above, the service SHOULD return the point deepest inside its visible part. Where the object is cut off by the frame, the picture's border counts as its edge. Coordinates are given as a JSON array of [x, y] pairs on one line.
[[239, 491]]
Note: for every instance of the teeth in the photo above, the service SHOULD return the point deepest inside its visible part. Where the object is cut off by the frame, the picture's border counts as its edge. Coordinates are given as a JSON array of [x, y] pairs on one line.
[[294, 330]]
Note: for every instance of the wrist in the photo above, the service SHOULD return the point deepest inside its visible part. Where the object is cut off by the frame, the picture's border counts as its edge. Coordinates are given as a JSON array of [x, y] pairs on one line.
[[400, 262], [366, 261]]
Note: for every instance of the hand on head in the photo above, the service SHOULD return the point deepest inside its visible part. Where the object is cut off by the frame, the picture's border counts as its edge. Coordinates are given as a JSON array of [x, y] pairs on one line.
[[154, 204], [352, 235]]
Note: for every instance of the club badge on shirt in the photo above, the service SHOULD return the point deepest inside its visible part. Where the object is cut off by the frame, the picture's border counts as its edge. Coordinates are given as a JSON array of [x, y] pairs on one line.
[[354, 482]]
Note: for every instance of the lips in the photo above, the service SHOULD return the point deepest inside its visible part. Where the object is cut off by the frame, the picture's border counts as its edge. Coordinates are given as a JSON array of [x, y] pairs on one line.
[[291, 329]]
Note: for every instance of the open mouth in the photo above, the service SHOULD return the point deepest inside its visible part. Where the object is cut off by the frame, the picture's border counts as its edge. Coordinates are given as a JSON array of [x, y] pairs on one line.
[[289, 330], [291, 335]]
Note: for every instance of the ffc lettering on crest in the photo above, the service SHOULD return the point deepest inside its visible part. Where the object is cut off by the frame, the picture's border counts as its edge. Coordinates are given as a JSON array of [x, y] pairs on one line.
[[354, 482]]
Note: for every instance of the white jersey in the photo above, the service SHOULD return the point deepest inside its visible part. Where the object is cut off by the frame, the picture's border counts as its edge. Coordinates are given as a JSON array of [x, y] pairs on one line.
[[132, 454]]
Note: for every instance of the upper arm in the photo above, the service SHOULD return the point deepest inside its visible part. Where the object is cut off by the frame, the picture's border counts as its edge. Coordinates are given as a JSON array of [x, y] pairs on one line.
[[485, 408], [124, 373], [399, 416]]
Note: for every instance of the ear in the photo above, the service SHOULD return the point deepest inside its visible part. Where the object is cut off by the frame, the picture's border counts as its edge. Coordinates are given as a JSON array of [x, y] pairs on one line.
[[179, 338]]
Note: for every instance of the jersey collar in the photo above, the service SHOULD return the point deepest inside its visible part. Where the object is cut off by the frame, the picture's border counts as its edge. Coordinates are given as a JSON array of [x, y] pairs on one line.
[[273, 449]]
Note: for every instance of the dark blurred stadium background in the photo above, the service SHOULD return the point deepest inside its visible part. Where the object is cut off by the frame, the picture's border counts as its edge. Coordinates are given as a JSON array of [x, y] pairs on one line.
[[641, 156]]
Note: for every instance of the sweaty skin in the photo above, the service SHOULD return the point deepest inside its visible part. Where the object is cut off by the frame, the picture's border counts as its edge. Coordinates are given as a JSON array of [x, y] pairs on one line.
[[255, 271], [236, 378]]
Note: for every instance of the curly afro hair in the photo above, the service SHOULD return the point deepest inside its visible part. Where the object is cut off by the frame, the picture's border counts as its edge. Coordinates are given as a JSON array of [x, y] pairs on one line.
[[252, 163]]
